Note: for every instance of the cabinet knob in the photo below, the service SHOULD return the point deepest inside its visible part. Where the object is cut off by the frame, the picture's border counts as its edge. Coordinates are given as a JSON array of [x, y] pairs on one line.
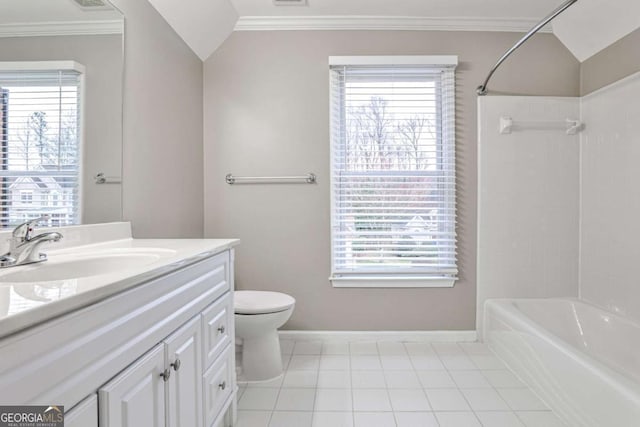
[[222, 385], [221, 329], [176, 365], [165, 375]]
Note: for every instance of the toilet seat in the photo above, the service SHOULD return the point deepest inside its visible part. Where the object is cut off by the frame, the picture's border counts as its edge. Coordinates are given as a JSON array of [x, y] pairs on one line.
[[261, 302]]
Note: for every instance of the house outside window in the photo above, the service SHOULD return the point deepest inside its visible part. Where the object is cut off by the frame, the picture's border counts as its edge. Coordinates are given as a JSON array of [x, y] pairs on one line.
[[393, 171], [40, 141]]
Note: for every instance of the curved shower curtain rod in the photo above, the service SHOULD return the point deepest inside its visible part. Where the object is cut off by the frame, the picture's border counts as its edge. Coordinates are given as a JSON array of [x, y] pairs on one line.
[[482, 89]]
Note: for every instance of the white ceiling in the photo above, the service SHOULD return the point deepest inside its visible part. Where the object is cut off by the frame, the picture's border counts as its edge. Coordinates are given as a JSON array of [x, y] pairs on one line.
[[425, 8], [585, 28], [592, 25], [31, 11]]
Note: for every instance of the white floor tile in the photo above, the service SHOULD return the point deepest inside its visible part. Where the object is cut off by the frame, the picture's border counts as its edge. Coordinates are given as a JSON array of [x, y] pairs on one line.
[[365, 363], [502, 378], [409, 400], [259, 399], [457, 419], [300, 379], [396, 363], [539, 419], [335, 348], [367, 379], [475, 348], [487, 361], [436, 379], [416, 419], [304, 363], [469, 379], [402, 379], [334, 379], [291, 419], [333, 400], [447, 348], [499, 419], [334, 363], [371, 400], [419, 349], [332, 419], [296, 399], [426, 362], [374, 419], [391, 348], [457, 362], [307, 347], [253, 418], [447, 400], [522, 399], [274, 383], [363, 348], [484, 400], [390, 383]]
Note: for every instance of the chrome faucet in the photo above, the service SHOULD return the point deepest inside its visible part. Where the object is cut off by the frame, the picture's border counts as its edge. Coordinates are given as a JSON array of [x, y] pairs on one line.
[[23, 247]]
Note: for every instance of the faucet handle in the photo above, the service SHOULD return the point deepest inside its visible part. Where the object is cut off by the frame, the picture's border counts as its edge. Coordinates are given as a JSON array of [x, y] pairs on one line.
[[22, 232]]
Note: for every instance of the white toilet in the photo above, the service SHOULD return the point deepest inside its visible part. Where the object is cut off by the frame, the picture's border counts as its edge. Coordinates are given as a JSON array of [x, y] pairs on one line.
[[258, 315]]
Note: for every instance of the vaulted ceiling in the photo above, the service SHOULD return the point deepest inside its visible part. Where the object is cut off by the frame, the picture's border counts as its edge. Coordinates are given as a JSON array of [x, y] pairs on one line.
[[585, 28]]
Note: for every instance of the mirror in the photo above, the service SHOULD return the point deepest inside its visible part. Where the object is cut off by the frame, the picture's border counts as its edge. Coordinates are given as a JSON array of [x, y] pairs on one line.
[[61, 80]]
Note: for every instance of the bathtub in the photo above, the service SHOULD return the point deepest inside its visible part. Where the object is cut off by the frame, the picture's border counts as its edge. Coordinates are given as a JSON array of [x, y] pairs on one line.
[[583, 361]]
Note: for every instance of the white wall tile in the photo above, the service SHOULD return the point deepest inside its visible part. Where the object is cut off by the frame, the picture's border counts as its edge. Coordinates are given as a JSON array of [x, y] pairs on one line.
[[611, 198], [528, 201]]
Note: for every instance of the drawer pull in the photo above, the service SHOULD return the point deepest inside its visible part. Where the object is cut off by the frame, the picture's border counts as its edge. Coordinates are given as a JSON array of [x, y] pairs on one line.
[[165, 375], [176, 365], [222, 385], [221, 329]]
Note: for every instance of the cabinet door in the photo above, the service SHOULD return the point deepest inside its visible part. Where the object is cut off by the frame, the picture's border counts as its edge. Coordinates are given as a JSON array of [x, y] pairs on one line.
[[84, 414], [136, 397], [184, 350]]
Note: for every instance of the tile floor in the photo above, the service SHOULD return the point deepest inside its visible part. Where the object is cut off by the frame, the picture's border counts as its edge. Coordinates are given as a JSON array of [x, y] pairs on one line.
[[396, 384]]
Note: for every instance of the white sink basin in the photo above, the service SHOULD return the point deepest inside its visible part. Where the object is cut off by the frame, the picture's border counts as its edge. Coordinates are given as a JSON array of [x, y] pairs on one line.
[[68, 266]]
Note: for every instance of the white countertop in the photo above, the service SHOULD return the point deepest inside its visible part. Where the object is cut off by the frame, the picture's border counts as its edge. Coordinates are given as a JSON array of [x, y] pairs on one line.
[[25, 304]]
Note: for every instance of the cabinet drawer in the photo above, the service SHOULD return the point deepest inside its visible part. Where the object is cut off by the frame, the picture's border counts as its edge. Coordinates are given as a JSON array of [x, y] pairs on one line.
[[218, 386], [217, 328]]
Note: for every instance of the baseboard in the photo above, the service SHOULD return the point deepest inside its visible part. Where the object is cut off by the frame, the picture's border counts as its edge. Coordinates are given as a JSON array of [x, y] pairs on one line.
[[408, 336]]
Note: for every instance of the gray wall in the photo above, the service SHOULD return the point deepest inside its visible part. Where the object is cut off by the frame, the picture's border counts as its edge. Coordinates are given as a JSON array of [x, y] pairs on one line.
[[267, 112], [162, 168], [617, 61], [102, 150]]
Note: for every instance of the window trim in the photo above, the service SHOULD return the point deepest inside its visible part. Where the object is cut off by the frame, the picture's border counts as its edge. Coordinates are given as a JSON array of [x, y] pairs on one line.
[[388, 280]]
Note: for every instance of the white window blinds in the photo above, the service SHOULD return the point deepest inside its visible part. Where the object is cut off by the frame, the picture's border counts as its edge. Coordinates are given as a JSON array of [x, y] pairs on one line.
[[393, 169], [40, 118]]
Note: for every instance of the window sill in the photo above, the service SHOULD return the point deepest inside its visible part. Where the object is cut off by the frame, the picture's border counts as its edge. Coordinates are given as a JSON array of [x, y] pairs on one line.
[[365, 281]]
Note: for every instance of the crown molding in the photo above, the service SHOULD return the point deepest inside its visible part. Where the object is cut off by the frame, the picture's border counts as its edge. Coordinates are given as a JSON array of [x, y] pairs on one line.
[[406, 23], [69, 28]]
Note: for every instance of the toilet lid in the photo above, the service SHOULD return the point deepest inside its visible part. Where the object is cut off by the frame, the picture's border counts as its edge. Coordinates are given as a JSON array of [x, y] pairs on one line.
[[261, 302]]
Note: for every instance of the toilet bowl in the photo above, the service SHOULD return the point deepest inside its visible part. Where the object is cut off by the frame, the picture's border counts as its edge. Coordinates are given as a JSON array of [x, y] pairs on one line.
[[258, 315]]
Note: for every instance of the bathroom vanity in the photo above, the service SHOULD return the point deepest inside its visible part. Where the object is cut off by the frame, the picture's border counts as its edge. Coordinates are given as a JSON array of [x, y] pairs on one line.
[[121, 331]]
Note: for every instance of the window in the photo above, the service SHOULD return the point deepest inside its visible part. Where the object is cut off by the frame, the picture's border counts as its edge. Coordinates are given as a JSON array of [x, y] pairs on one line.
[[26, 197], [40, 128], [393, 171]]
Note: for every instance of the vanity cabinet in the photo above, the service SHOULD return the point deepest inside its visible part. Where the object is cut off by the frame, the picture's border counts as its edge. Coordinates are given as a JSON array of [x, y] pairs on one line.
[[85, 413], [160, 354]]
